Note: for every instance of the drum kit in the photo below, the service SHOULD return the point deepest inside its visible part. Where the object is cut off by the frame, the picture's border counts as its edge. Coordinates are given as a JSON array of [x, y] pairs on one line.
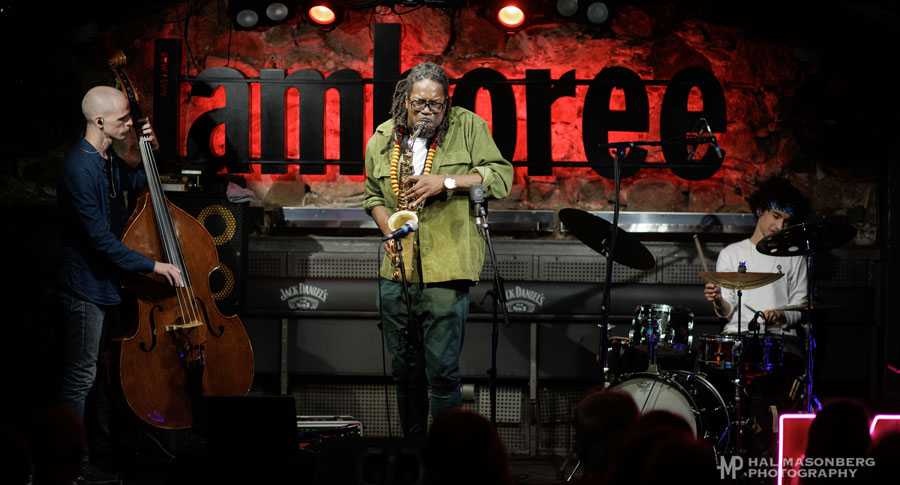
[[704, 379]]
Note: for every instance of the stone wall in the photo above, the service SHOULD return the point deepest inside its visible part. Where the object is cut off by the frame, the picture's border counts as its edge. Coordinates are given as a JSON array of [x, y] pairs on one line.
[[787, 93]]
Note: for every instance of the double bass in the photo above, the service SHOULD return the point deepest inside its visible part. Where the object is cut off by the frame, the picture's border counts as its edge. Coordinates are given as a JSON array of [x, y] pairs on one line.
[[177, 346]]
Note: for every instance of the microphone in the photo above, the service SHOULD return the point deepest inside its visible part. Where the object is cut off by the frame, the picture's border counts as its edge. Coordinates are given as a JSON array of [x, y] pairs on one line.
[[697, 141], [719, 152], [703, 127], [403, 230], [753, 326], [476, 195]]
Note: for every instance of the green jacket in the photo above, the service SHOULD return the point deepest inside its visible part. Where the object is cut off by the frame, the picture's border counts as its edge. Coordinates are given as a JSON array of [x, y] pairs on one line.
[[448, 244]]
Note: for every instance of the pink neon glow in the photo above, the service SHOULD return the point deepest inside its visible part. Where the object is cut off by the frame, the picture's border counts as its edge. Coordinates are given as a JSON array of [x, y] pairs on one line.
[[781, 439], [883, 417], [872, 427]]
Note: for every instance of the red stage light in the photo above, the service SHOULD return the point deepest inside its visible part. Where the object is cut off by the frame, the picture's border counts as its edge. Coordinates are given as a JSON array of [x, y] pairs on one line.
[[511, 16], [321, 15]]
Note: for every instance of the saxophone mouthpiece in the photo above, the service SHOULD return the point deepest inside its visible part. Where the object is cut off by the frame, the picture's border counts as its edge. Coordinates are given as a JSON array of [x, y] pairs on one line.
[[419, 127]]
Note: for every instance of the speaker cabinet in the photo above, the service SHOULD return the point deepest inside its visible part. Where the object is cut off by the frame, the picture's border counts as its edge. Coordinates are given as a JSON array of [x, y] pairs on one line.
[[227, 223]]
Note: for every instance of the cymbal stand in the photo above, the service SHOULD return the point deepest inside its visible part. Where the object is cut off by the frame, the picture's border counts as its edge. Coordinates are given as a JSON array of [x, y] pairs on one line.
[[738, 353], [614, 229]]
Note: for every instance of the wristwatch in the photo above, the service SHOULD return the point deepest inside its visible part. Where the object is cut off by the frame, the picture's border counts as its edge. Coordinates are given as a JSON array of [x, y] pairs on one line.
[[449, 182]]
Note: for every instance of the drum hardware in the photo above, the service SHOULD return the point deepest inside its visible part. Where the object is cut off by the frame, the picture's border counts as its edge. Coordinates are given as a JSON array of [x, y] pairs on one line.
[[807, 238], [652, 342], [740, 281], [614, 243]]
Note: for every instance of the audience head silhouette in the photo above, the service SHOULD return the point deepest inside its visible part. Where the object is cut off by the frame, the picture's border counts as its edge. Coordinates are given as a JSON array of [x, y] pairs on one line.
[[601, 419], [464, 448]]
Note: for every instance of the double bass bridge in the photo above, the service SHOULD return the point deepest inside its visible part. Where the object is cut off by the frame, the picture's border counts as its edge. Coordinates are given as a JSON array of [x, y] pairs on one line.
[[183, 326]]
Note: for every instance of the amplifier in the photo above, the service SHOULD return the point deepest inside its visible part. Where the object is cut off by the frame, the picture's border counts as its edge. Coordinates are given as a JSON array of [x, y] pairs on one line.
[[313, 428]]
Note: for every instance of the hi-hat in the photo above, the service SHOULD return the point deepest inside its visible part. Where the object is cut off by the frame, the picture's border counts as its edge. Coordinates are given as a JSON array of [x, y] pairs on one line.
[[595, 232], [740, 281], [806, 238]]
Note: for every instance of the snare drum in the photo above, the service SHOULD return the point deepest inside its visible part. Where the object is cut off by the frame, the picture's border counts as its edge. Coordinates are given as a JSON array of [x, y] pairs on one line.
[[759, 353], [688, 395], [672, 325]]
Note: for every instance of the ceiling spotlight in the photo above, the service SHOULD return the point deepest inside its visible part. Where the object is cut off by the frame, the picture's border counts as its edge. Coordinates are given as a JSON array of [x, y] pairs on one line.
[[277, 12], [321, 15], [247, 18], [324, 14], [567, 8], [597, 13], [511, 16]]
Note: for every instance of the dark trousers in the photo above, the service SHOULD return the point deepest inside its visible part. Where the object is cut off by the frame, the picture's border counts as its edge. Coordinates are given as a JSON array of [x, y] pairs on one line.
[[440, 311]]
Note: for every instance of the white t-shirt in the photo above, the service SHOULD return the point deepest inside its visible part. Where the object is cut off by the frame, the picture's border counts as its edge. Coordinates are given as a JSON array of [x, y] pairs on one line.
[[790, 289], [420, 153]]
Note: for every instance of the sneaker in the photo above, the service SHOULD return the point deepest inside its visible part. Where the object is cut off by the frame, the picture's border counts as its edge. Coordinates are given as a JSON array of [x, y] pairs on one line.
[[93, 475]]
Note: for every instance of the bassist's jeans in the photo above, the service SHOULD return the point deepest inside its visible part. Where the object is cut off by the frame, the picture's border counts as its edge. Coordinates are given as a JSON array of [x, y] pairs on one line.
[[85, 347]]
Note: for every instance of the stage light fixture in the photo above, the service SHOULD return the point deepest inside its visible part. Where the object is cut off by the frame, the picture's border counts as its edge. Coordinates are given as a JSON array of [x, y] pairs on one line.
[[258, 14], [567, 8], [247, 18], [277, 12], [511, 16], [514, 15], [323, 14], [597, 13]]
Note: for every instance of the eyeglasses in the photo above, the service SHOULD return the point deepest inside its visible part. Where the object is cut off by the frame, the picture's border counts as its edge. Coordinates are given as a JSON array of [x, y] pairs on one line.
[[420, 104]]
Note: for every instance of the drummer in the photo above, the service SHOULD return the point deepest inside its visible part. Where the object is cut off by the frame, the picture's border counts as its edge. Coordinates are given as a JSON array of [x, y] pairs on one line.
[[777, 205]]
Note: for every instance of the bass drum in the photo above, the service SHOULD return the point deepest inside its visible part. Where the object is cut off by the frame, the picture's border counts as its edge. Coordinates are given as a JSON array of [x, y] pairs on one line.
[[688, 395]]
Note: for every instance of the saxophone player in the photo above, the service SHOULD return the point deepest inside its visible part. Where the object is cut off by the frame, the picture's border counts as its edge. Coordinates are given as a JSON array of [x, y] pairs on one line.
[[423, 160]]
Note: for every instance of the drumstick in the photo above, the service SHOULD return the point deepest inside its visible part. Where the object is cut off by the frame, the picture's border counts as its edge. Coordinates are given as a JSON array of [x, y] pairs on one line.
[[700, 252]]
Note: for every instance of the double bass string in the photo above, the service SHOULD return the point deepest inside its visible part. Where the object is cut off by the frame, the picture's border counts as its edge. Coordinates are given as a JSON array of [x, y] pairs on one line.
[[168, 238]]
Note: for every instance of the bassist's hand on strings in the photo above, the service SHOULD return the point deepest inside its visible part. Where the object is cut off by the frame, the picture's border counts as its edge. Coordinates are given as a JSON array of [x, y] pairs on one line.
[[169, 272], [146, 132]]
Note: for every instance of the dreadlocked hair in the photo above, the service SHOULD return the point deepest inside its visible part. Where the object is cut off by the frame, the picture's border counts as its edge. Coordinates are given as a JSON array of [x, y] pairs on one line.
[[779, 191], [423, 71]]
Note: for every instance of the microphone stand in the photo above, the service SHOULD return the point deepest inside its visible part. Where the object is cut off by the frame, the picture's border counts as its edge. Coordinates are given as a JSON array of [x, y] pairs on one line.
[[412, 331], [497, 292]]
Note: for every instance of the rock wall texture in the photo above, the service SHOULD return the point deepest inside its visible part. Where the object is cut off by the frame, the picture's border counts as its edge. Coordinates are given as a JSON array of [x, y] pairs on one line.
[[795, 94]]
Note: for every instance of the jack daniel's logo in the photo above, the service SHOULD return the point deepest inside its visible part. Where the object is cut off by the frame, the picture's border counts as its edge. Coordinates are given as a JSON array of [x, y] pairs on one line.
[[523, 300], [303, 297]]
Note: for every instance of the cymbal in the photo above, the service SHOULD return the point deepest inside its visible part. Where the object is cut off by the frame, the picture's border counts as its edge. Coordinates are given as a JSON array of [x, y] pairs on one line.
[[739, 281], [595, 232], [805, 238], [815, 305]]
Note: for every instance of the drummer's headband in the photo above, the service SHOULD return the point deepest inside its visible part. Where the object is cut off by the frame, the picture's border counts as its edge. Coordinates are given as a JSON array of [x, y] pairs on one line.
[[786, 208]]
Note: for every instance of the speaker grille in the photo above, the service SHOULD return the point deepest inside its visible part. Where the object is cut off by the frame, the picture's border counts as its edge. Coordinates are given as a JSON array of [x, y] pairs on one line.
[[588, 269], [226, 223]]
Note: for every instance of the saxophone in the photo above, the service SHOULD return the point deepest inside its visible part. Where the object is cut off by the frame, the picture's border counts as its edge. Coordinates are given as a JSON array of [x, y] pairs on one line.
[[404, 214]]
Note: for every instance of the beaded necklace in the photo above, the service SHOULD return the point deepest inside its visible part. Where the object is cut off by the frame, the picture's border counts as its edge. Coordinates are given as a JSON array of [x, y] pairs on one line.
[[395, 160]]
